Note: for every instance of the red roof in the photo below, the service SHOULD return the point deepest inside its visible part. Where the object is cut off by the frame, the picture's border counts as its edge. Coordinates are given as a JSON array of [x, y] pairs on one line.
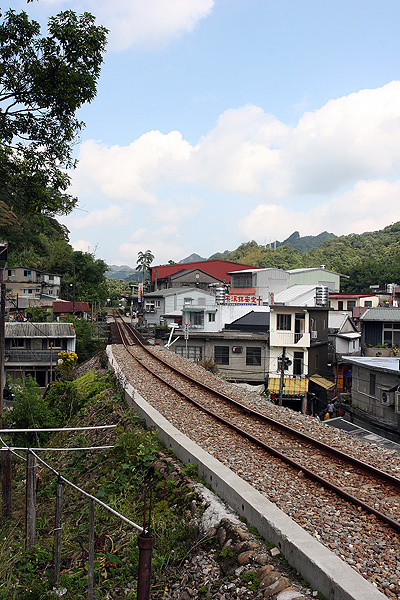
[[67, 307], [216, 268]]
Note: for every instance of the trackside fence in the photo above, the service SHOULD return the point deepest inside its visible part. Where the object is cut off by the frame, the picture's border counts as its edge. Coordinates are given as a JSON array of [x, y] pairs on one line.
[[146, 540]]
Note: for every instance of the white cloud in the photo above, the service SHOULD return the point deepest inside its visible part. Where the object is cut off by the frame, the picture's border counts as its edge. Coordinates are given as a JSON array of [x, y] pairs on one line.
[[162, 243], [131, 173], [369, 206], [83, 246], [148, 24], [251, 152], [341, 157]]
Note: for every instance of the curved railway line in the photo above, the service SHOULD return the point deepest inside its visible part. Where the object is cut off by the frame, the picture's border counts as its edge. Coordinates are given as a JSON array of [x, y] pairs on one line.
[[361, 486]]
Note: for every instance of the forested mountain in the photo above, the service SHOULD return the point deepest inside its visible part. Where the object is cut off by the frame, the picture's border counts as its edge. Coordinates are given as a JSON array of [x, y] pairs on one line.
[[369, 258]]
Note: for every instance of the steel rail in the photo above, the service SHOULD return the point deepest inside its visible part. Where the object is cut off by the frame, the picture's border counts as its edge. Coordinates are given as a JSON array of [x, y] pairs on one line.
[[355, 462], [311, 474]]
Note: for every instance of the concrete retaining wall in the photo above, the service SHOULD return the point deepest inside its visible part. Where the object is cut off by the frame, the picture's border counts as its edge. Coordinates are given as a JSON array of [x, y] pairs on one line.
[[321, 567]]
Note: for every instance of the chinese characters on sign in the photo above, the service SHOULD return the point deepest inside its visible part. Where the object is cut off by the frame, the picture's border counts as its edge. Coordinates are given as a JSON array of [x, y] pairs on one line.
[[243, 300]]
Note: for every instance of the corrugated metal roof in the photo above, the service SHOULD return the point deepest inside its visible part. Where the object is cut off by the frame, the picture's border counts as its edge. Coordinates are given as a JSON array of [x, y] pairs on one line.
[[336, 320], [293, 292], [381, 363], [322, 382], [39, 330], [381, 313]]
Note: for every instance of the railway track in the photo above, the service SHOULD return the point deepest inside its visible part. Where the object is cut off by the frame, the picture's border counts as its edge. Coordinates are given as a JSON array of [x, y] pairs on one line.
[[371, 489]]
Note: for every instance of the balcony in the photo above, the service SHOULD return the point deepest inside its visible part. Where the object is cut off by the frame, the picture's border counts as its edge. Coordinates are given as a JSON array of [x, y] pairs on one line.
[[289, 338], [31, 356]]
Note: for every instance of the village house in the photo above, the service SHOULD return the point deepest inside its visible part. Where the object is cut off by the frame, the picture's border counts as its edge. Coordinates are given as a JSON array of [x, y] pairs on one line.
[[32, 349]]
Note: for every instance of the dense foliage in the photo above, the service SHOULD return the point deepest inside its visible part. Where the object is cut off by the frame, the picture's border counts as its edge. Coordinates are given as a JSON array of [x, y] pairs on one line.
[[117, 476], [44, 80]]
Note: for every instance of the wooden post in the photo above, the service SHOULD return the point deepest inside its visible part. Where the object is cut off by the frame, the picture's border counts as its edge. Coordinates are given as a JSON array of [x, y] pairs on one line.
[[57, 532], [146, 544], [6, 483], [30, 515], [91, 550]]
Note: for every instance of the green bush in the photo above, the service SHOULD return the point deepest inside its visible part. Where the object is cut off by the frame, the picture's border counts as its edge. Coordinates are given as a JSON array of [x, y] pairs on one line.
[[30, 411]]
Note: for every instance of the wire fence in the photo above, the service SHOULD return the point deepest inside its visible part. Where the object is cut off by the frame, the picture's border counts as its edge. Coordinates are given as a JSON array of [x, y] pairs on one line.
[[146, 540]]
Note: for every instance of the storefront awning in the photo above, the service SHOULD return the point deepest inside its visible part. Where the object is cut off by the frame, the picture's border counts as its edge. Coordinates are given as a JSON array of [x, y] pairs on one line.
[[292, 387], [322, 382]]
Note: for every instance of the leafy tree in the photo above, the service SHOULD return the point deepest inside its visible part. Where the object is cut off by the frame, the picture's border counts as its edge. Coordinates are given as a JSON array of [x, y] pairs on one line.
[[30, 411], [144, 261], [85, 346], [38, 314], [44, 80]]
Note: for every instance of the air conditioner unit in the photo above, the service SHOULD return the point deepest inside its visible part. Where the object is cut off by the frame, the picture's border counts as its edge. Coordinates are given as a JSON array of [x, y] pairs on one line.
[[237, 349], [387, 399], [314, 335], [397, 402]]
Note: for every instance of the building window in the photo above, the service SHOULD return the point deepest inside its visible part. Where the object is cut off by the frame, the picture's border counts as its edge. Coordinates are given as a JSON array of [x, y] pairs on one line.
[[351, 304], [391, 334], [283, 322], [51, 277], [221, 355], [196, 318], [54, 343], [242, 281], [188, 301], [340, 304], [17, 343], [211, 317], [253, 356], [27, 273], [10, 272], [193, 352], [372, 384], [27, 291], [37, 290], [298, 362], [368, 304]]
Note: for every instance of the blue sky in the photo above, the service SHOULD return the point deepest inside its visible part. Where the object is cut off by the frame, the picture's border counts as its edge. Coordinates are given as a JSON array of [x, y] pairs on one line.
[[221, 121]]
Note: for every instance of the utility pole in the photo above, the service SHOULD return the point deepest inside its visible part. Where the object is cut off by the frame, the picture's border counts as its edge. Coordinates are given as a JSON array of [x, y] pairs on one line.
[[73, 292], [281, 382]]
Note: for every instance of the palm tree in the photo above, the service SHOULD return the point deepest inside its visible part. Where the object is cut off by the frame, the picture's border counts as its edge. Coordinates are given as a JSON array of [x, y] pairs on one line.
[[144, 261]]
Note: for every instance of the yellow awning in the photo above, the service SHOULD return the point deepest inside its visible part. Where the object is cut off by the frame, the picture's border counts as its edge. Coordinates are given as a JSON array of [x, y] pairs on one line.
[[292, 387], [322, 382]]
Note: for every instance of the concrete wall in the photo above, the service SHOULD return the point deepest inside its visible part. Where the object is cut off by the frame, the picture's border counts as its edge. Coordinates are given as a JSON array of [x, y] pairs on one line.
[[322, 568]]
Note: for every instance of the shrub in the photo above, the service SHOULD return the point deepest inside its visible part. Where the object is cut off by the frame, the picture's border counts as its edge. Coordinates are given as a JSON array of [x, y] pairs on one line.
[[208, 364]]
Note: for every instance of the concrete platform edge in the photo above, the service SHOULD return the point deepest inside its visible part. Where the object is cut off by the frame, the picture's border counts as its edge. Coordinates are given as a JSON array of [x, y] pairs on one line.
[[325, 571]]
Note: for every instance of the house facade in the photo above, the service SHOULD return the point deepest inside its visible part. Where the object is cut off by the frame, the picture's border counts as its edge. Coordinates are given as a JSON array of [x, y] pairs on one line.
[[262, 284], [380, 327], [375, 393], [349, 302], [217, 269], [32, 349], [241, 349], [31, 283], [316, 276]]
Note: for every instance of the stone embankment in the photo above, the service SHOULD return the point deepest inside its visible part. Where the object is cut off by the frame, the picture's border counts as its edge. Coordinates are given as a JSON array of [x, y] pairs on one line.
[[231, 562]]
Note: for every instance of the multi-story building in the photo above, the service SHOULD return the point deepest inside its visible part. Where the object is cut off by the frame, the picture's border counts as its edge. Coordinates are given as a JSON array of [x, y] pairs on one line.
[[31, 283]]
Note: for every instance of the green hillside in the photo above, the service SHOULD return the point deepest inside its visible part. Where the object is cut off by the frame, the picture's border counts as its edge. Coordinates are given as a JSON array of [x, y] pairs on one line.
[[368, 258]]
